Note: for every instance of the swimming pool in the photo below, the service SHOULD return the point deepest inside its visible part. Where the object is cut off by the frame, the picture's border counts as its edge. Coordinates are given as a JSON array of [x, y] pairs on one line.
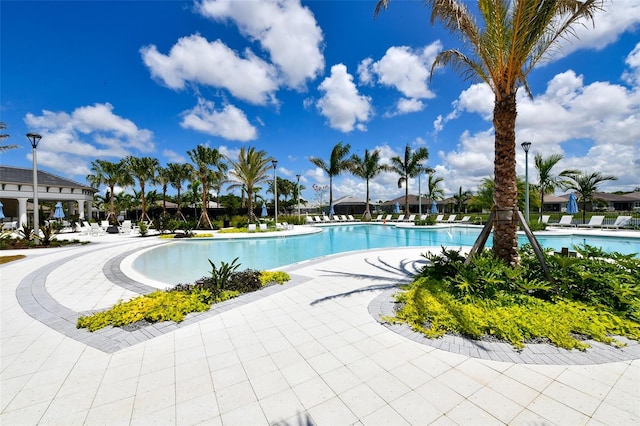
[[186, 260]]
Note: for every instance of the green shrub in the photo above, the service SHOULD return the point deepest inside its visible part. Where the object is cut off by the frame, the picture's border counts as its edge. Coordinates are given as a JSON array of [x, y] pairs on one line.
[[143, 228], [244, 281]]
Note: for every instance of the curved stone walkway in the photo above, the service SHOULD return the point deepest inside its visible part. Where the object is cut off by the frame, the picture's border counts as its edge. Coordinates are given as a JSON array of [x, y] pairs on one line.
[[309, 352]]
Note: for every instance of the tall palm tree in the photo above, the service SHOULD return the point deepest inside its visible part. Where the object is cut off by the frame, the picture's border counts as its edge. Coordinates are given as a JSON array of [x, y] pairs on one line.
[[338, 163], [178, 172], [144, 169], [204, 157], [516, 36], [368, 167], [434, 192], [547, 181], [585, 185], [409, 166], [250, 169], [105, 172]]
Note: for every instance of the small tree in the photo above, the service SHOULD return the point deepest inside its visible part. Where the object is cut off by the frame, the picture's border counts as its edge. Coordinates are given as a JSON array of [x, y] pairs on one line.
[[586, 185]]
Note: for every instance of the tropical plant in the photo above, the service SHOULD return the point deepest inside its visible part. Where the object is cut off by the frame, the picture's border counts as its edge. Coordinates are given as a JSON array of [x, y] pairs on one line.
[[144, 169], [368, 167], [250, 169], [586, 186], [515, 37], [547, 181], [164, 179], [178, 173], [110, 174], [338, 163], [408, 167], [203, 157]]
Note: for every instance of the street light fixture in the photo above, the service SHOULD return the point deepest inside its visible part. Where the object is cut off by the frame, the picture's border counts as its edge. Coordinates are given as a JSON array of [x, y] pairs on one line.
[[298, 191], [526, 146], [34, 138], [275, 191]]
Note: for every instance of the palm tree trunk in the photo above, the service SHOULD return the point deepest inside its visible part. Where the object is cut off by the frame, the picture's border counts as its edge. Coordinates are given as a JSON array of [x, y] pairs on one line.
[[143, 202], [250, 205], [367, 212], [505, 195], [406, 196]]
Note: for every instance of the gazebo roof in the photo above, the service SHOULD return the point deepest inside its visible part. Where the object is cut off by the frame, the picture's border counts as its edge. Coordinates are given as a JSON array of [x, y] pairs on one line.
[[22, 176]]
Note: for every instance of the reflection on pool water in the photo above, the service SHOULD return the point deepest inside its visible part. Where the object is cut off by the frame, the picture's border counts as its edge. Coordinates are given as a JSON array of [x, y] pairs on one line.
[[186, 261]]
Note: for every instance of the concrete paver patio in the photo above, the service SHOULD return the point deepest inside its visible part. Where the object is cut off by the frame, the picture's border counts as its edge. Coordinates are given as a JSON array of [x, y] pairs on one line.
[[309, 352]]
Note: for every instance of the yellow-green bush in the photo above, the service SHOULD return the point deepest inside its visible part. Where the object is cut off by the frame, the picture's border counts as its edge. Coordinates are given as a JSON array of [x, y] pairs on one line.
[[154, 307], [430, 309], [279, 277]]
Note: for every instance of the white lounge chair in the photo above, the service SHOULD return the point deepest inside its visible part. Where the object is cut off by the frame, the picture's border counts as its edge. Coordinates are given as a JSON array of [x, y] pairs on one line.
[[423, 217], [411, 218], [309, 219], [378, 218], [251, 227], [452, 218], [343, 218], [565, 220], [388, 218], [465, 219], [352, 219], [544, 219], [399, 218], [263, 227], [594, 222], [440, 218], [620, 222], [96, 229], [317, 219]]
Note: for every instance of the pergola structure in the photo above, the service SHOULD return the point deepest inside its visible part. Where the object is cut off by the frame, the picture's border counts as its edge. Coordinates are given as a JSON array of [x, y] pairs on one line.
[[16, 189]]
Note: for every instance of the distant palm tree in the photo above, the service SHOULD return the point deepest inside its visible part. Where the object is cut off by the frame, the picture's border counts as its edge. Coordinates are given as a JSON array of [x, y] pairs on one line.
[[338, 163], [516, 36], [434, 192], [547, 181], [110, 174], [585, 185], [250, 169], [163, 178], [4, 136], [178, 172], [203, 158], [144, 169], [461, 199], [368, 167], [409, 166]]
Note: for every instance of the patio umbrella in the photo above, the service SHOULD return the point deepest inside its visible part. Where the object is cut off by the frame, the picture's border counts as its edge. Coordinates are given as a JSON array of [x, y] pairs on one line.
[[263, 213], [397, 208], [1, 211], [58, 213], [434, 207], [572, 205], [331, 212]]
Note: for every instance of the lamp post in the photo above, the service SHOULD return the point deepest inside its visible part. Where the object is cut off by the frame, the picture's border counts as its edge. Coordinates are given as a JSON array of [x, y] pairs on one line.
[[275, 190], [526, 146], [419, 195], [34, 138], [298, 191]]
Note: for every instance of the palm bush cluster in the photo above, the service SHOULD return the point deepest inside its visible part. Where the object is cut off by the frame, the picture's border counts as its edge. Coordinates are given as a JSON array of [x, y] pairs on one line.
[[225, 282]]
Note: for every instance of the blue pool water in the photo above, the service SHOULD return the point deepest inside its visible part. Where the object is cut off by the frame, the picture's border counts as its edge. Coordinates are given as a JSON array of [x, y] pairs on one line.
[[186, 260]]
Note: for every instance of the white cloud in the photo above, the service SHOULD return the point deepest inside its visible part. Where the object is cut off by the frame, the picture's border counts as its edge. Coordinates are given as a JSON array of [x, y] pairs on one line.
[[196, 60], [404, 69], [618, 17], [286, 29], [632, 75], [174, 157], [72, 140], [341, 103], [229, 122]]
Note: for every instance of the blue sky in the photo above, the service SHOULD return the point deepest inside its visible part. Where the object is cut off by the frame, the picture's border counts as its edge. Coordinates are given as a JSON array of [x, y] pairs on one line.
[[157, 78]]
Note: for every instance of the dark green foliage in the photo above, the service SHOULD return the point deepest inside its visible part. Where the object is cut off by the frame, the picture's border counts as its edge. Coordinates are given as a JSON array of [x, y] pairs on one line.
[[244, 281], [220, 274]]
